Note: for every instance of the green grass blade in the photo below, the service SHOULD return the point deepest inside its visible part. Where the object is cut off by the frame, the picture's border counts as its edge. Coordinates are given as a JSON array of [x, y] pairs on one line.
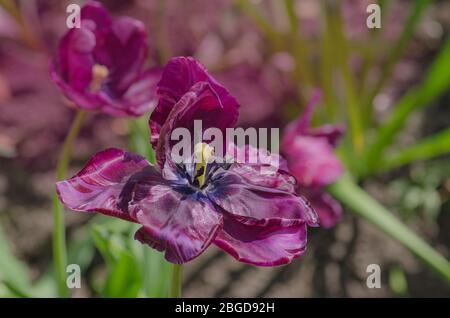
[[341, 49], [399, 47], [13, 272], [436, 82], [364, 206], [428, 148]]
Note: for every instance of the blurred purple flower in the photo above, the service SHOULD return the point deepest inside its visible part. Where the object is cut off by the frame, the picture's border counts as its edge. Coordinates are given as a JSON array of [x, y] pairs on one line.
[[184, 207], [311, 159], [100, 65]]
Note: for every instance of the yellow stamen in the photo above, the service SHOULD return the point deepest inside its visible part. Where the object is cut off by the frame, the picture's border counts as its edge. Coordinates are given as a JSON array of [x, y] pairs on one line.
[[203, 153], [99, 73]]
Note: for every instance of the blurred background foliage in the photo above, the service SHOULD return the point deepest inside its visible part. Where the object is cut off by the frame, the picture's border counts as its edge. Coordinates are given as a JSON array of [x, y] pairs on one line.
[[390, 86]]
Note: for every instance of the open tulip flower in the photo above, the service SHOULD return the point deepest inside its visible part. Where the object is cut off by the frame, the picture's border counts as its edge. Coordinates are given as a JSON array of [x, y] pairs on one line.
[[185, 207], [99, 66], [311, 159]]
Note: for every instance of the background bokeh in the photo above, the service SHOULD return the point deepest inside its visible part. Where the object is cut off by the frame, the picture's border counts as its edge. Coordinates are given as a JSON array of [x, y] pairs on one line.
[[248, 46]]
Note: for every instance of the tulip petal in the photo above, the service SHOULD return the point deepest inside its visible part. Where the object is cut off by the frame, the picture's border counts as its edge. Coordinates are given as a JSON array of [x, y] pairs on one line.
[[72, 70], [201, 102], [259, 167], [328, 209], [333, 133], [97, 13], [235, 195], [180, 224], [140, 97], [302, 127], [267, 242], [180, 74], [313, 162], [123, 51], [98, 186]]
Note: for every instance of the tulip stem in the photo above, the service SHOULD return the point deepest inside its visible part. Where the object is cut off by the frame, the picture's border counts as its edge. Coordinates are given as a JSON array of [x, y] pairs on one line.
[[176, 281], [59, 236], [363, 205]]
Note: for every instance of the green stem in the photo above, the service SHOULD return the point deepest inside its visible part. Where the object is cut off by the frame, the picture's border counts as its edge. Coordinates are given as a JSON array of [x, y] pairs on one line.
[[176, 281], [59, 239], [341, 45], [146, 272], [363, 205]]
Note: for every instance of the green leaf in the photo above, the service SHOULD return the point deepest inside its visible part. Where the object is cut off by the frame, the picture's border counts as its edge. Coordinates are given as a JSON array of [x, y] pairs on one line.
[[436, 82], [124, 280], [398, 282], [81, 249], [13, 272], [363, 205], [101, 236], [428, 148], [156, 273], [140, 138]]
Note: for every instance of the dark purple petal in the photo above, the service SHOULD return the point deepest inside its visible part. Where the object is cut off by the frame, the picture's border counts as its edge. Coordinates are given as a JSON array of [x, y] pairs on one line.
[[259, 167], [312, 161], [180, 224], [179, 76], [95, 12], [327, 208], [86, 100], [123, 50], [267, 242], [140, 97], [72, 71], [333, 133], [302, 127], [142, 236], [201, 102], [98, 186], [235, 195]]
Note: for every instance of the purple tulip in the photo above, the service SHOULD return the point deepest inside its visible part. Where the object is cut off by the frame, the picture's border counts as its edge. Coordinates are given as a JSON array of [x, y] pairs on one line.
[[100, 65], [311, 159], [184, 207]]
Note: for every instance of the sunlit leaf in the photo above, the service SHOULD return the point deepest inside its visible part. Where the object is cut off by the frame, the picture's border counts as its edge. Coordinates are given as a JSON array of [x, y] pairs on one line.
[[13, 272], [428, 148], [436, 82]]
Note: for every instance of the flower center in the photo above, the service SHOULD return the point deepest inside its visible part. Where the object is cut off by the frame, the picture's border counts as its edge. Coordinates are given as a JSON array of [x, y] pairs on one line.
[[202, 153], [99, 73]]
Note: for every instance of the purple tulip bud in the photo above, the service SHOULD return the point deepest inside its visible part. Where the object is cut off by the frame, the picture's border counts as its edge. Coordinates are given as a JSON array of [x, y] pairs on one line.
[[311, 159]]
